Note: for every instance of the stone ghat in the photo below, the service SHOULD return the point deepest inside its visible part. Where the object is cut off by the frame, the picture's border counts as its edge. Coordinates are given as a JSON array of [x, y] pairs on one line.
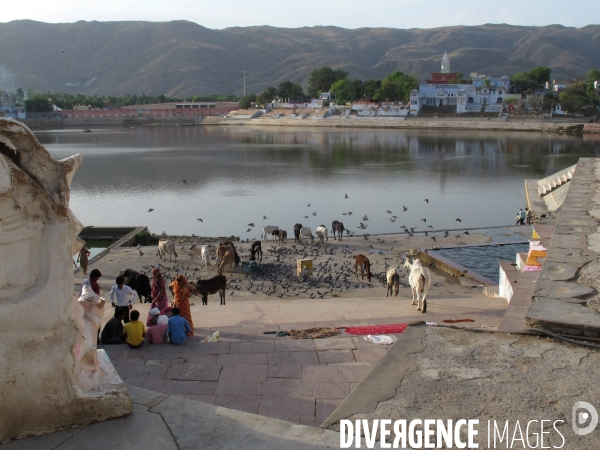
[[566, 297]]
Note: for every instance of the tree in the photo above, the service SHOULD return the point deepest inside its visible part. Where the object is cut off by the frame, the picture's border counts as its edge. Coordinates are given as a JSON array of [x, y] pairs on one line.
[[522, 82], [371, 88], [592, 75], [267, 95], [487, 82], [540, 75], [246, 101], [38, 103], [290, 90], [320, 80], [574, 97], [20, 96], [397, 86], [341, 91]]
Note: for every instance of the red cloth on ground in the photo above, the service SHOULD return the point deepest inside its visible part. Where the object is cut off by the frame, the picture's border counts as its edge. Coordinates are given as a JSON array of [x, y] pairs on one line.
[[378, 329]]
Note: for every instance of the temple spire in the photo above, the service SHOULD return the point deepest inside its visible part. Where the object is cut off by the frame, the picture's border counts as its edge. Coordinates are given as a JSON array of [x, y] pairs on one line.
[[445, 63]]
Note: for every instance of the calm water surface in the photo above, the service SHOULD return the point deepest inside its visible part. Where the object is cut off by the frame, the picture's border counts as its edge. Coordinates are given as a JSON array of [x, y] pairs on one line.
[[235, 175]]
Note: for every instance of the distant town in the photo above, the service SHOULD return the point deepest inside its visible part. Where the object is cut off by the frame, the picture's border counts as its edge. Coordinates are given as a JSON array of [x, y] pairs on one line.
[[445, 94]]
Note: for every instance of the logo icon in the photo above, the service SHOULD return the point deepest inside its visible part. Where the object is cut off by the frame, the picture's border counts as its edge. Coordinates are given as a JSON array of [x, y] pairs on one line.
[[579, 418]]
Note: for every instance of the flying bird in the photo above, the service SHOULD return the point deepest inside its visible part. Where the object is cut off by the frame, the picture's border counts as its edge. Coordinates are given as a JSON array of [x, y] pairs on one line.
[[388, 211], [433, 237], [248, 230], [63, 50], [365, 217], [184, 181], [393, 219], [349, 213], [427, 200], [424, 220], [345, 195], [306, 217], [151, 209], [199, 219], [265, 217], [458, 220], [314, 213], [251, 224], [404, 208], [309, 205]]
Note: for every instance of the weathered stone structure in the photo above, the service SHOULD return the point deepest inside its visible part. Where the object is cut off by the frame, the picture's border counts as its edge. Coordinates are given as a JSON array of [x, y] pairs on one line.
[[51, 375]]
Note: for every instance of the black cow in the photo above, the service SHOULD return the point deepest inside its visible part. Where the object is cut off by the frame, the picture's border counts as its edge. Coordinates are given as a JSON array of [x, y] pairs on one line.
[[255, 250], [337, 226], [139, 282], [204, 288], [297, 229]]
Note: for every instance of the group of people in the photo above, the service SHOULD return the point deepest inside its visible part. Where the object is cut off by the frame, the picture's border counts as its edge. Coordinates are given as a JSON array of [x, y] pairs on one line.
[[165, 323], [524, 217]]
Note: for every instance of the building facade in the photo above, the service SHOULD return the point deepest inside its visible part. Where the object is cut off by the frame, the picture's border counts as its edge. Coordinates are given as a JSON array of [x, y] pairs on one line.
[[486, 94]]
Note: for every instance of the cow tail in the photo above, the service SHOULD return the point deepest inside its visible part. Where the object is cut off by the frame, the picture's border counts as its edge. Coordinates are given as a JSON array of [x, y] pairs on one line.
[[423, 283], [175, 254]]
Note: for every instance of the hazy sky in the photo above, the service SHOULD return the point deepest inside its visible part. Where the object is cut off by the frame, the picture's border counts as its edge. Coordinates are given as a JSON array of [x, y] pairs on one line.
[[292, 14]]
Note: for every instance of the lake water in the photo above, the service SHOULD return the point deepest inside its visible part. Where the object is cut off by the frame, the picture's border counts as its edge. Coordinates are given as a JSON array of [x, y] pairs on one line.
[[237, 174]]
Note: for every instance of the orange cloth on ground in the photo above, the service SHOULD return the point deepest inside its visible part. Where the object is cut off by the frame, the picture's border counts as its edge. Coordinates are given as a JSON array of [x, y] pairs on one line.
[[181, 300]]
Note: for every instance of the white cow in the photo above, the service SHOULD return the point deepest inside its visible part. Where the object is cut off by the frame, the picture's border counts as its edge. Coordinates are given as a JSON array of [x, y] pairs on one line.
[[268, 229], [164, 247], [204, 255], [420, 280], [322, 233], [306, 232], [393, 282]]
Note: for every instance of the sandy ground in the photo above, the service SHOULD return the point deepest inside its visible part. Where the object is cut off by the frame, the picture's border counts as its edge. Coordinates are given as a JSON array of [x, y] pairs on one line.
[[274, 295]]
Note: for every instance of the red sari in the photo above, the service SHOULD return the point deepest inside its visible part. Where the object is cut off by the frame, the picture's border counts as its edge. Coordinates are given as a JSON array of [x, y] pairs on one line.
[[182, 291]]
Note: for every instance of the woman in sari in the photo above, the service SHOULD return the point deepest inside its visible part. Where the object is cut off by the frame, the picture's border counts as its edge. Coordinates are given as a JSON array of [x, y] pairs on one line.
[[182, 290], [159, 294]]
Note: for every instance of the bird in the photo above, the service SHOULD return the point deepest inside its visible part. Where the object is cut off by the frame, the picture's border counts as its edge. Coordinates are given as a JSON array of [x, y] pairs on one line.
[[365, 217], [151, 209], [393, 219], [430, 226], [314, 213], [63, 50], [248, 230], [251, 224], [424, 220], [345, 195], [458, 220], [388, 211], [184, 181], [427, 200], [306, 217], [265, 217], [404, 208], [467, 233], [139, 248], [199, 219], [349, 213], [309, 205], [433, 237], [446, 235]]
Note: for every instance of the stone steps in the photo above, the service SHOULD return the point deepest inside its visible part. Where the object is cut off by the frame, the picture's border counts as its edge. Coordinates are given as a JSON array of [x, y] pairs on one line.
[[548, 184]]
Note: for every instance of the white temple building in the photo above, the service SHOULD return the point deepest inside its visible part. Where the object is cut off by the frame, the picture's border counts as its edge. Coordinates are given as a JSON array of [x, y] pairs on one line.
[[486, 94]]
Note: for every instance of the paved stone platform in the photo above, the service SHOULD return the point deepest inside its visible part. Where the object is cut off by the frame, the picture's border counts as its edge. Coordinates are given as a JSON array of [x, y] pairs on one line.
[[566, 297], [297, 380]]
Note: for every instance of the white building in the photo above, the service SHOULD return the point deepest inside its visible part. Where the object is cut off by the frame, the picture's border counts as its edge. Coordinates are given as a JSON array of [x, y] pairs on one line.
[[481, 96]]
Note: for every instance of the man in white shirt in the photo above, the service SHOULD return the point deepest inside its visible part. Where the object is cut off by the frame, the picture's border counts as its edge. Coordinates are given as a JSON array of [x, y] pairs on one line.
[[122, 298]]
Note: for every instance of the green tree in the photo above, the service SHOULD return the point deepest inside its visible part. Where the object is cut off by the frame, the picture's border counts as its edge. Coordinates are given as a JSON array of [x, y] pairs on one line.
[[267, 95], [487, 82], [246, 101], [20, 97], [397, 86], [341, 91], [288, 89], [593, 75], [371, 88], [38, 103], [574, 97], [540, 75], [320, 80], [522, 82]]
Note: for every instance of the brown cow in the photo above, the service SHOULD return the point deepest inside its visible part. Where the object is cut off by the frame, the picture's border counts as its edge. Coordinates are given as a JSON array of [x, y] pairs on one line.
[[365, 265], [282, 237], [204, 288], [237, 258], [227, 260]]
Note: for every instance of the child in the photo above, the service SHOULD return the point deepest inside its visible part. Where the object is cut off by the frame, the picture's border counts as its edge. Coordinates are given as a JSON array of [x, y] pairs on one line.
[[135, 331]]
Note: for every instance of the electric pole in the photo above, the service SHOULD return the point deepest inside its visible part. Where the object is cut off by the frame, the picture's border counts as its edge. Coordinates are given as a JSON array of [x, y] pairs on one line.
[[244, 83]]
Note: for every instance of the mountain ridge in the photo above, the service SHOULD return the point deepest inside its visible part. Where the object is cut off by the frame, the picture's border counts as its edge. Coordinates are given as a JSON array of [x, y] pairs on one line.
[[182, 58]]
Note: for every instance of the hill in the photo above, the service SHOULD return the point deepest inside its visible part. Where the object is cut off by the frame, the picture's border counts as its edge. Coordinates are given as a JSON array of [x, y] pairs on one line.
[[182, 58]]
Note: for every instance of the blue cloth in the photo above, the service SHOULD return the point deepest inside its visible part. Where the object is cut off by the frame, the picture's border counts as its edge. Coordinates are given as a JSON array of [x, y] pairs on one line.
[[176, 329]]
